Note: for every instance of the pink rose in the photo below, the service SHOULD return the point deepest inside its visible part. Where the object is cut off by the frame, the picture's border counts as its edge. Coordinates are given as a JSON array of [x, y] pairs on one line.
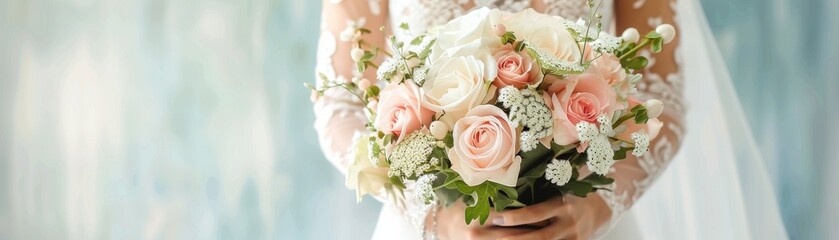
[[609, 67], [399, 111], [485, 147], [652, 127], [581, 97], [515, 69]]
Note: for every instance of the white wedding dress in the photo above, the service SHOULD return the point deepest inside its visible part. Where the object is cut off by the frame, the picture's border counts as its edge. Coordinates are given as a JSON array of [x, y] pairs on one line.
[[716, 186]]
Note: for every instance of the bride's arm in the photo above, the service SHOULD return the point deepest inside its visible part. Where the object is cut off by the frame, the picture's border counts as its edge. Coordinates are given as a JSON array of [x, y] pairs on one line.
[[584, 218], [663, 81], [339, 116]]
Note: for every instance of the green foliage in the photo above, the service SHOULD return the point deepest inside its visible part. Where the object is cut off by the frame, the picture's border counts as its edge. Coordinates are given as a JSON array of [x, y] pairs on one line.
[[597, 179], [417, 40], [620, 154], [396, 181], [550, 65], [403, 26], [640, 113], [579, 188], [449, 140], [372, 91], [635, 63], [508, 38]]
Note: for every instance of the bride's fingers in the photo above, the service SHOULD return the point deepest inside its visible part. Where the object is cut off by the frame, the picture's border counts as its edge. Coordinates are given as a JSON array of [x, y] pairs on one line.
[[495, 232], [530, 214], [556, 230]]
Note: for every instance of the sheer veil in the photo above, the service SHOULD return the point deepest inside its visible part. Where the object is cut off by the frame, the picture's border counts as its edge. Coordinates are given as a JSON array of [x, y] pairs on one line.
[[718, 186]]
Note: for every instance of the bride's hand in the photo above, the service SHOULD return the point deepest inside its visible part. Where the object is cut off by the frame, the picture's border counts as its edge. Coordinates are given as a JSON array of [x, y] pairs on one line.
[[451, 224], [570, 217]]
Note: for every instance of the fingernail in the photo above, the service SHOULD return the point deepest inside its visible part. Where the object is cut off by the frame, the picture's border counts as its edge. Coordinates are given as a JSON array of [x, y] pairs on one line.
[[498, 221]]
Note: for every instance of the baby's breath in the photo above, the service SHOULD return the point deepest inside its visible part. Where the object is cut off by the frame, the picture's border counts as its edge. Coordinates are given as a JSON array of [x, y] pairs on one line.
[[527, 109], [558, 172], [599, 150], [606, 43], [410, 157], [642, 143], [424, 191], [387, 69]]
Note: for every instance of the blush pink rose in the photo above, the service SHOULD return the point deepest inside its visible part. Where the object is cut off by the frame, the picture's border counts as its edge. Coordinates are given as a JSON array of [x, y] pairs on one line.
[[607, 65], [652, 127], [516, 69], [485, 147], [579, 98], [399, 111]]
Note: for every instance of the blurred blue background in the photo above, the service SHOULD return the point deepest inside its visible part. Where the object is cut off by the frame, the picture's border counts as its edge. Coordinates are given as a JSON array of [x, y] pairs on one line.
[[187, 119]]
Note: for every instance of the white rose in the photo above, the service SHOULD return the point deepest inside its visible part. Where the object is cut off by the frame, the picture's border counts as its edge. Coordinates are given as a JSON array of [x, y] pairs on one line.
[[457, 84], [470, 34], [362, 175], [546, 32]]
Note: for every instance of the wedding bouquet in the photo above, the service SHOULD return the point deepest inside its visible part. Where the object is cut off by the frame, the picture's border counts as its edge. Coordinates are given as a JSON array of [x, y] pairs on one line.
[[500, 110]]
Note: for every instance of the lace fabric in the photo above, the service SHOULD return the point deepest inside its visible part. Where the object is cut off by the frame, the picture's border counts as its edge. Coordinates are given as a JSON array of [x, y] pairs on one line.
[[339, 117]]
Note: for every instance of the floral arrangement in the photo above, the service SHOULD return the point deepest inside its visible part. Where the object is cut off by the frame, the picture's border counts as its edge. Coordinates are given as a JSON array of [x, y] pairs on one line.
[[500, 110]]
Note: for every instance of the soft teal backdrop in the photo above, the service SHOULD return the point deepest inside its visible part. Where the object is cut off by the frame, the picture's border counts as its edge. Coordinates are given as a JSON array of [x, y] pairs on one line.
[[187, 119]]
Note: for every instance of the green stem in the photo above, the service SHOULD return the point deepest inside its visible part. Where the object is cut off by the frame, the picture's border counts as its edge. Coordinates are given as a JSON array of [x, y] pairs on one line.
[[622, 119], [634, 50]]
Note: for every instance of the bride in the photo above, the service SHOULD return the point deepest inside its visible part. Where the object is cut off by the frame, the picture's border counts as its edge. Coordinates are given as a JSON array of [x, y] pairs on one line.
[[714, 188]]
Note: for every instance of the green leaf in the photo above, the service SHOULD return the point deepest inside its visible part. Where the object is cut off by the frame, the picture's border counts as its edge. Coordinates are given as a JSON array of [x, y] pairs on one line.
[[309, 86], [597, 179], [551, 65], [656, 45], [449, 178], [396, 181], [404, 26], [361, 66], [636, 63], [448, 196], [480, 210], [620, 154], [508, 38], [375, 149], [501, 202], [387, 139], [323, 77], [367, 56], [417, 40], [652, 35], [579, 188], [560, 149], [372, 91], [519, 46], [640, 114], [532, 174], [540, 154], [449, 140]]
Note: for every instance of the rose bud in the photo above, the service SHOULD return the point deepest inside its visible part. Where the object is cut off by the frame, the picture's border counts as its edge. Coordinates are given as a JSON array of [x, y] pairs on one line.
[[356, 54], [439, 129], [654, 108], [630, 35], [363, 84], [500, 29], [666, 31]]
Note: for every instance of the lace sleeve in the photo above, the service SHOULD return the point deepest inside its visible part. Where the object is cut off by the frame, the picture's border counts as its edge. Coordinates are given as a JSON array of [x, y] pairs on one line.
[[662, 80], [339, 116]]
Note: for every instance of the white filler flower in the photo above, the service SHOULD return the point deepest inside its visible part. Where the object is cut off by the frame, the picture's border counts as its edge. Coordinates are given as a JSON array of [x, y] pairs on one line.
[[558, 172]]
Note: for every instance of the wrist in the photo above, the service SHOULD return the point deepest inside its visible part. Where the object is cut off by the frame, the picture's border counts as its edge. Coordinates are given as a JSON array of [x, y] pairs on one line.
[[591, 212]]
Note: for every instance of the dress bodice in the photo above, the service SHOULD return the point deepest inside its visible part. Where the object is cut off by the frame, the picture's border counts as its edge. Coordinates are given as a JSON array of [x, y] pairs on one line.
[[422, 14]]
